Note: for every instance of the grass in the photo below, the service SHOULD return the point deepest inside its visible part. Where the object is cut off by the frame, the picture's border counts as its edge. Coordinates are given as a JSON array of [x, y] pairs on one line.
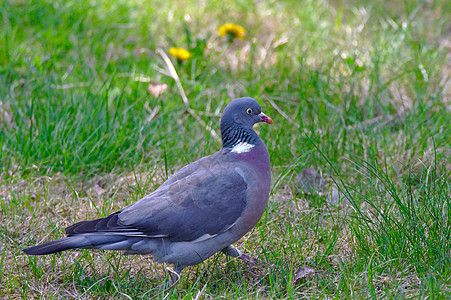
[[358, 90]]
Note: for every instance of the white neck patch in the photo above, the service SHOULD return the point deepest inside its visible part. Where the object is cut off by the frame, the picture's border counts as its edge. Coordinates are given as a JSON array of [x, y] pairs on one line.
[[242, 147]]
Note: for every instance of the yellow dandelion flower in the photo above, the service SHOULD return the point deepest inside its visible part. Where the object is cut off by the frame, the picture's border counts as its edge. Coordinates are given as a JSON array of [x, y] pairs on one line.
[[232, 31], [180, 54]]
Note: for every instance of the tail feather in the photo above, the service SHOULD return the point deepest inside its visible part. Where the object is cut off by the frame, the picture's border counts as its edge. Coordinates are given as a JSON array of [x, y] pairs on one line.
[[83, 241]]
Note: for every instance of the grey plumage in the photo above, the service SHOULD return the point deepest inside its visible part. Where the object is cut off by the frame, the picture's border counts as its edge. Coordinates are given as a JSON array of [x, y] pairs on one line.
[[200, 210]]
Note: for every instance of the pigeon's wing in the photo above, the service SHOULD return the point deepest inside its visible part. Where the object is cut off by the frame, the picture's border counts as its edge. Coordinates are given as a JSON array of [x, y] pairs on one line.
[[205, 200]]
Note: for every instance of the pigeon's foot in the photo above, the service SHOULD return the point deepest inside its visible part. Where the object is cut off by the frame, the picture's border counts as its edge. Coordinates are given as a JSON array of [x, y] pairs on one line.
[[234, 252], [165, 286], [250, 260]]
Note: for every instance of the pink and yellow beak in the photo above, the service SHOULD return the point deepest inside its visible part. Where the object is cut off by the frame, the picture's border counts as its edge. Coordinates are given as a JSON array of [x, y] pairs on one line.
[[265, 118]]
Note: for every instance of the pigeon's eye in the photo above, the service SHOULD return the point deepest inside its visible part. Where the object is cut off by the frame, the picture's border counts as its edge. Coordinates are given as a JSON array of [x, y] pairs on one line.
[[249, 111]]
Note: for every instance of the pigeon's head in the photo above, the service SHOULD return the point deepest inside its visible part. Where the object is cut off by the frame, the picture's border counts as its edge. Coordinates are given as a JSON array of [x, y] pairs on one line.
[[237, 121], [244, 112]]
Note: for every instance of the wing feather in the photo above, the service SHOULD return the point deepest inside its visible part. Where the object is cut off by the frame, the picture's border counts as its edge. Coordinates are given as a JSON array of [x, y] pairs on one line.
[[198, 202]]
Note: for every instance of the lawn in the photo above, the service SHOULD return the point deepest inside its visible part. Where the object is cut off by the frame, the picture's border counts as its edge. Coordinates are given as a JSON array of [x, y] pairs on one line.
[[95, 113]]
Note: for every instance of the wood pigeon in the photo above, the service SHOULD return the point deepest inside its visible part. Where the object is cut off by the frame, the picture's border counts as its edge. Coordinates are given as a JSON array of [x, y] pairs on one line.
[[200, 210]]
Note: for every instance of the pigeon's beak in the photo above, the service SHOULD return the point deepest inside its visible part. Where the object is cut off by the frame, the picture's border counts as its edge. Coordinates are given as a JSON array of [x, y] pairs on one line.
[[265, 118]]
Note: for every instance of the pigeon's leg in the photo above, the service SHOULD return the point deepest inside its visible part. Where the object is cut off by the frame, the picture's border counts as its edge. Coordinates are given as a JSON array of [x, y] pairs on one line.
[[234, 252], [175, 278], [175, 274]]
